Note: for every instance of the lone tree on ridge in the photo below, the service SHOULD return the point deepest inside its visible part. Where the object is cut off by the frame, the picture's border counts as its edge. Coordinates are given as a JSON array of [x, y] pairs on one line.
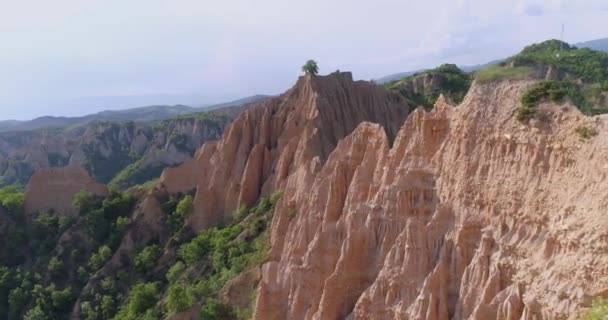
[[310, 67]]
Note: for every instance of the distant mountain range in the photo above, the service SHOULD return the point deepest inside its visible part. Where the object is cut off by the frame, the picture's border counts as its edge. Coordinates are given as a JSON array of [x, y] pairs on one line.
[[598, 44], [139, 114]]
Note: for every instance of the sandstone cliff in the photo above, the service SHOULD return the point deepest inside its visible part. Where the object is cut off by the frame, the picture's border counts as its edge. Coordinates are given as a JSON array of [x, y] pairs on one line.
[[289, 136], [54, 189], [469, 215]]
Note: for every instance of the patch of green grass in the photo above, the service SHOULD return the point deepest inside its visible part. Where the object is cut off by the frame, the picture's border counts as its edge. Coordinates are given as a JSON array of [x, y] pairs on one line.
[[495, 73]]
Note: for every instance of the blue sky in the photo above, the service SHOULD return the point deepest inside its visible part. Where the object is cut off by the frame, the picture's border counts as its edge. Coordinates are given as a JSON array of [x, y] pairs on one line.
[[74, 57]]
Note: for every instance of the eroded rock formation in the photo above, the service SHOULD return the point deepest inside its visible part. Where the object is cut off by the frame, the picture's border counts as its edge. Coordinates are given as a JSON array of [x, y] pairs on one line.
[[288, 136], [54, 189], [470, 215], [464, 213]]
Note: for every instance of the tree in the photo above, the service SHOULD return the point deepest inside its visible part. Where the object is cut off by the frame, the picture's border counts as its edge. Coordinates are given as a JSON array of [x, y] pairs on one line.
[[310, 68], [179, 298], [145, 260]]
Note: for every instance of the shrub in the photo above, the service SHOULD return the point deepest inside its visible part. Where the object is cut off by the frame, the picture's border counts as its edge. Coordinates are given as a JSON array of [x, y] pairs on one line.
[[142, 297], [12, 198], [175, 271], [548, 90], [36, 313], [182, 210], [599, 310], [586, 132], [61, 299], [146, 259], [179, 298], [215, 310], [55, 266], [100, 258]]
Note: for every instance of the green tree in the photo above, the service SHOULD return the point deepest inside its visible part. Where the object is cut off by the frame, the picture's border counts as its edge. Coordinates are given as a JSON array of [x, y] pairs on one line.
[[99, 258], [61, 299], [146, 259], [215, 310], [55, 266], [108, 307], [36, 313], [179, 298], [310, 67], [141, 298]]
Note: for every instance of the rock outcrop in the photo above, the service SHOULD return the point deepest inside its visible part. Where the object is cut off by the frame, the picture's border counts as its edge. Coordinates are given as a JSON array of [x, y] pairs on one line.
[[53, 189], [469, 215], [464, 213], [288, 136]]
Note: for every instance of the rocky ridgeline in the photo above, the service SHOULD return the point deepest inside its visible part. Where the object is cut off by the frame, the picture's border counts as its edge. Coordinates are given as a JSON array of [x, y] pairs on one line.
[[462, 213]]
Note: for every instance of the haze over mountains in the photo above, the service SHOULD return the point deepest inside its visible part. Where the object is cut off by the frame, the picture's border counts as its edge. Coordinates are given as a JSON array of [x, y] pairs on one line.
[[140, 114]]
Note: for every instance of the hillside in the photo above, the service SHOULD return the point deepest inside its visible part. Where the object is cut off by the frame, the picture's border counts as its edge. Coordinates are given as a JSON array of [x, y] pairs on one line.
[[598, 44], [139, 114], [424, 88], [124, 153]]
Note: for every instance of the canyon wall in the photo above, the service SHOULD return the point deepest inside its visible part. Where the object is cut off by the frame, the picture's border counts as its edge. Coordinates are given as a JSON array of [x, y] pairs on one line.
[[469, 215], [462, 213], [288, 136]]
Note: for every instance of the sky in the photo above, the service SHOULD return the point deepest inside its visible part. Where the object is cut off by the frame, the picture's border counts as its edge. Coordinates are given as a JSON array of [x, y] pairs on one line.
[[75, 57]]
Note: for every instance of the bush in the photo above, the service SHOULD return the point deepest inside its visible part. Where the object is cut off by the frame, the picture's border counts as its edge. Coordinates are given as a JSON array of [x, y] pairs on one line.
[[36, 313], [599, 310], [61, 299], [12, 198], [215, 310], [142, 297], [548, 90], [55, 266], [179, 298], [146, 259], [100, 258], [586, 132], [175, 271], [182, 210]]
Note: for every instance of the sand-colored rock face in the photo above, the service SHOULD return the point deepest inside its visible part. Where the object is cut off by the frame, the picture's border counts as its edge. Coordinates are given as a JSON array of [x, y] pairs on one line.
[[288, 136], [463, 213], [55, 188], [469, 215]]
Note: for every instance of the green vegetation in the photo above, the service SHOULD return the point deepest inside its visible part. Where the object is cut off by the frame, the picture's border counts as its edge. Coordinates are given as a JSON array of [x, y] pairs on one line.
[[599, 310], [99, 258], [146, 258], [12, 198], [228, 251], [579, 74], [551, 90], [586, 64], [495, 73], [447, 79], [585, 132], [140, 302], [179, 298], [135, 173], [310, 68], [182, 210]]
